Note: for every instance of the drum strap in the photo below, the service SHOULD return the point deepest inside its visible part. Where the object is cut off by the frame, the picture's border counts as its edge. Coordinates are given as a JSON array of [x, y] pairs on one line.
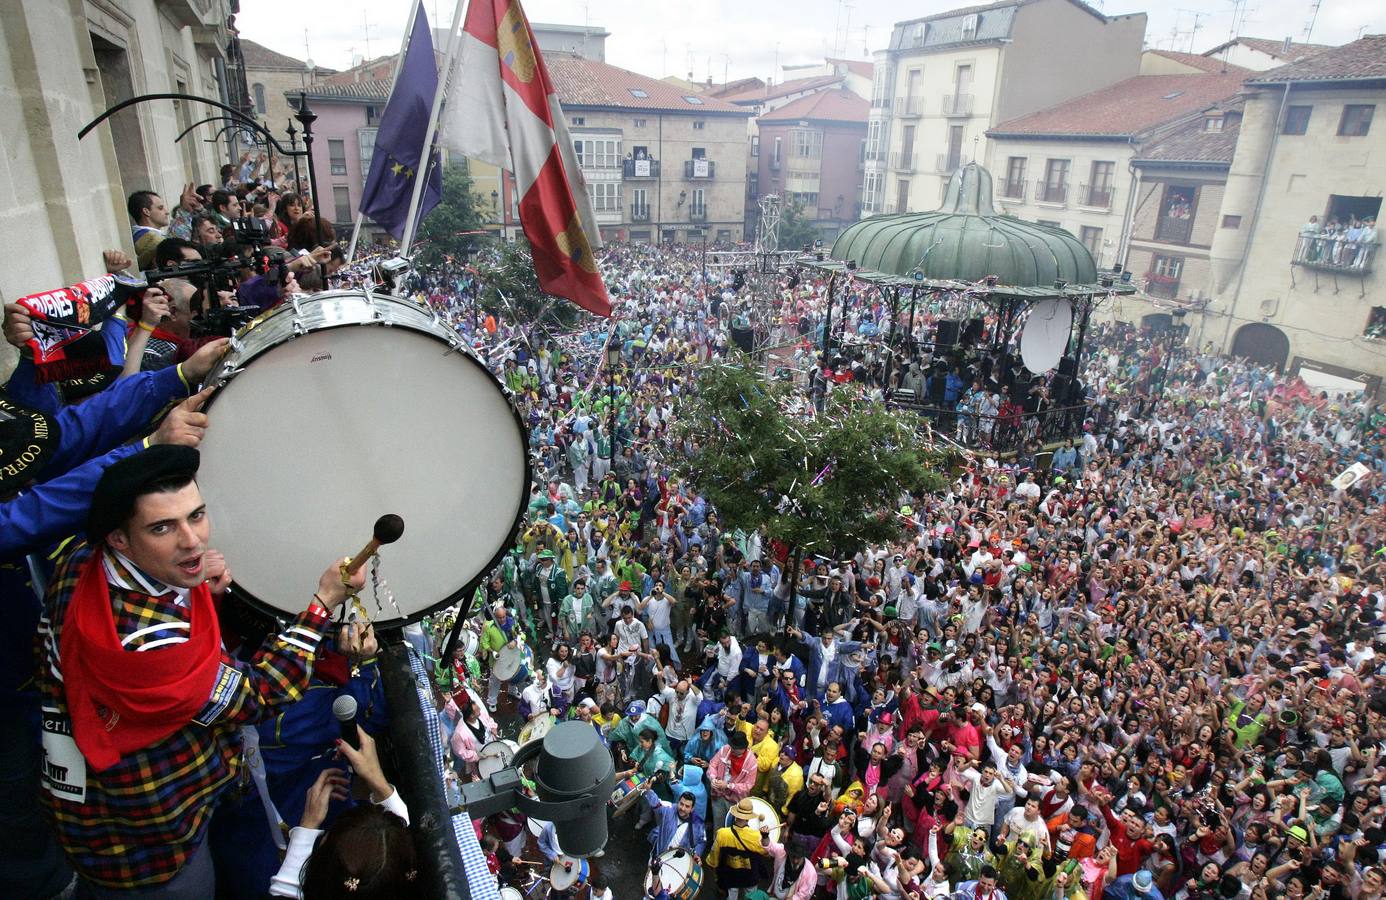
[[256, 764]]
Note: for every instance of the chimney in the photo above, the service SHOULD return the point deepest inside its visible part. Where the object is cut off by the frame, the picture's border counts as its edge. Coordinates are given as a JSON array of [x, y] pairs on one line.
[[1289, 42], [709, 80]]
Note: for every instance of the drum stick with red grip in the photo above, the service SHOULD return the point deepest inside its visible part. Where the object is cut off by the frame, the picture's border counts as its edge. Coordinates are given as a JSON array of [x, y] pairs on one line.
[[388, 529]]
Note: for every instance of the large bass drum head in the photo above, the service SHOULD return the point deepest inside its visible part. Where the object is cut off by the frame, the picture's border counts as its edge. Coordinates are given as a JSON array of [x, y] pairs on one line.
[[318, 436]]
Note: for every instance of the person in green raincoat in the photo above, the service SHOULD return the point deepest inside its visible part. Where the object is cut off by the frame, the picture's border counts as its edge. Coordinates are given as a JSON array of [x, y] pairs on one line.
[[968, 854], [545, 585], [1020, 868], [650, 759], [636, 720]]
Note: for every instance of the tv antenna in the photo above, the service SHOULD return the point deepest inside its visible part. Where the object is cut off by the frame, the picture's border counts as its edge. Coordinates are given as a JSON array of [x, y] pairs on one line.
[[1313, 17]]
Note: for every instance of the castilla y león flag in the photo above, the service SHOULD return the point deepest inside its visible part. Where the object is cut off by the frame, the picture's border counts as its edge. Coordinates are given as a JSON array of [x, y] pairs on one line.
[[502, 109]]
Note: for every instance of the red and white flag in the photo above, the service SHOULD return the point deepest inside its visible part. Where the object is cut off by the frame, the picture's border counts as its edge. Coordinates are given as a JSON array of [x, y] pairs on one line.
[[501, 109]]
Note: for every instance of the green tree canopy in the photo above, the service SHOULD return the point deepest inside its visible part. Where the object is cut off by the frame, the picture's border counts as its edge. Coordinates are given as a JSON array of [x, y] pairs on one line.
[[796, 228], [821, 483], [444, 232], [512, 288]]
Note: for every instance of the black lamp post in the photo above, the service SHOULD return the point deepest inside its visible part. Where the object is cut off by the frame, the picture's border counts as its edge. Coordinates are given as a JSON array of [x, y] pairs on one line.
[[306, 118], [613, 359], [293, 145], [1174, 339]]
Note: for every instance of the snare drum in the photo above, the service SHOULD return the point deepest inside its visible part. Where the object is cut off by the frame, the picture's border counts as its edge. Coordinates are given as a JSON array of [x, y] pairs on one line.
[[510, 893], [512, 665], [765, 815], [494, 756], [336, 408], [537, 727], [680, 873], [624, 795], [567, 872]]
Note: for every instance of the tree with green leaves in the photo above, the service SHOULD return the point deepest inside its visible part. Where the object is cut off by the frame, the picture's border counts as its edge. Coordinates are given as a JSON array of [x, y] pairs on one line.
[[512, 289], [823, 483], [796, 228], [446, 231]]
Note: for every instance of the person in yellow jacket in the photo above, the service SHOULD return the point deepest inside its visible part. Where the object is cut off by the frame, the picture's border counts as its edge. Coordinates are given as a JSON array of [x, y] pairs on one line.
[[767, 751], [740, 850]]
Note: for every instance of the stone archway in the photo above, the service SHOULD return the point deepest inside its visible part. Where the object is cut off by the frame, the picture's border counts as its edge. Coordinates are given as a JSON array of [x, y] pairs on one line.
[[1263, 344]]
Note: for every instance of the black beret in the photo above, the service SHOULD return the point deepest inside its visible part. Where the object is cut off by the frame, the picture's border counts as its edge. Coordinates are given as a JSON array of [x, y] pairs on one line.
[[124, 481], [28, 438], [737, 740]]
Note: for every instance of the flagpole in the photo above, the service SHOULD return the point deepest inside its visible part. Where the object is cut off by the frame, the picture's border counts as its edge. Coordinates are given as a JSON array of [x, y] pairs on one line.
[[426, 158], [399, 64]]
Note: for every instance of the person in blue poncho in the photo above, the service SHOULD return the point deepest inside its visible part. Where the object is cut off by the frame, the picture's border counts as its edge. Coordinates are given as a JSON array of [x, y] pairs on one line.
[[705, 744]]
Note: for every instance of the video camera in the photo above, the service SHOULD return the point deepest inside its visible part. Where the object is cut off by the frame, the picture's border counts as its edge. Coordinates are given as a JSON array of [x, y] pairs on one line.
[[247, 247]]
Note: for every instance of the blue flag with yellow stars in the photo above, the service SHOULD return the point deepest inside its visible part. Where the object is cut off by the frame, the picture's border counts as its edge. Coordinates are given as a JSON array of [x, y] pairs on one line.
[[399, 140]]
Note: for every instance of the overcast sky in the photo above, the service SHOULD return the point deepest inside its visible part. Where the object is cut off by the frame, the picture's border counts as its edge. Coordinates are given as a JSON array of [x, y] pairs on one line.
[[740, 38]]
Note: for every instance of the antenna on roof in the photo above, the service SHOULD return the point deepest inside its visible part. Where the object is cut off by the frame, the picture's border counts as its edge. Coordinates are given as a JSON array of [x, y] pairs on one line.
[[1309, 27]]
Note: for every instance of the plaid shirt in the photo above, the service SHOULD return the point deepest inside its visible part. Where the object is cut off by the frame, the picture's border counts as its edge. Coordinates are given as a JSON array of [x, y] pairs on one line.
[[143, 817]]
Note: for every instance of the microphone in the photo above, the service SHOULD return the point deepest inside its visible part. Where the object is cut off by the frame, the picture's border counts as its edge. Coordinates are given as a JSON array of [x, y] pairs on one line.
[[344, 711], [388, 529]]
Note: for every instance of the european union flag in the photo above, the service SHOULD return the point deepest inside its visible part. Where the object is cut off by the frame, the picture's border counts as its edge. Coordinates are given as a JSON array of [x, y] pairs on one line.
[[399, 140]]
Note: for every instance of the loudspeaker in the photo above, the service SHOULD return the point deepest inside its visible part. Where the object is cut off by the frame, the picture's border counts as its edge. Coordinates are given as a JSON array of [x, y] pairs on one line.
[[947, 332], [1068, 366]]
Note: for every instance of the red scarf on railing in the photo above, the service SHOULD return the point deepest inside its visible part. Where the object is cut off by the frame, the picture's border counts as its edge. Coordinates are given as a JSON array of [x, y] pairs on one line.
[[121, 701]]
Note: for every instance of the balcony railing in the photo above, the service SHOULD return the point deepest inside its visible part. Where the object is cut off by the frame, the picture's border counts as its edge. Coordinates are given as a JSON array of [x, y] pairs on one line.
[[640, 214], [909, 107], [946, 163], [878, 155], [957, 105], [891, 209], [1051, 193], [640, 168], [1157, 285], [1097, 196], [1335, 253], [880, 103], [697, 214], [1174, 231], [1013, 190], [774, 163], [693, 169], [904, 161]]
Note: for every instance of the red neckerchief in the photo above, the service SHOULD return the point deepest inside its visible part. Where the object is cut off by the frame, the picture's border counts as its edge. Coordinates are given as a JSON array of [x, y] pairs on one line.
[[122, 701]]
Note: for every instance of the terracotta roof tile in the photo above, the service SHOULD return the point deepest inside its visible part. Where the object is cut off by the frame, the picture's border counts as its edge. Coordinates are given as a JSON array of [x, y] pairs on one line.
[[824, 106], [1190, 143], [863, 67], [258, 56], [1362, 60], [1128, 107], [1198, 61], [360, 91], [783, 89], [1273, 48], [586, 82]]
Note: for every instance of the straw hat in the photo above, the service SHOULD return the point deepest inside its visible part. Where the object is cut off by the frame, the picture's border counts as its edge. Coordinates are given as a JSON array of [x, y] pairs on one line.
[[744, 810]]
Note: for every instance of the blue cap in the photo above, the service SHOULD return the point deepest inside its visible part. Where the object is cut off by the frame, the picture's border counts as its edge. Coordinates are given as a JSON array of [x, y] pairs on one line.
[[635, 709]]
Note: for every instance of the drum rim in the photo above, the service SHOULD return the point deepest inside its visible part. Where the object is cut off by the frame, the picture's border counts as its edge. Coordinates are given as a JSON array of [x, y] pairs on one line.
[[468, 589]]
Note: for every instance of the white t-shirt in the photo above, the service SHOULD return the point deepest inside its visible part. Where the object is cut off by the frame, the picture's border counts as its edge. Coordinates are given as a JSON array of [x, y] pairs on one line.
[[981, 800], [629, 636], [1018, 823], [657, 609]]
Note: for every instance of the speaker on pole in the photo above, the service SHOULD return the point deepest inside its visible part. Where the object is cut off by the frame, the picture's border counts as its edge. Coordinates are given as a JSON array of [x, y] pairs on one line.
[[947, 332]]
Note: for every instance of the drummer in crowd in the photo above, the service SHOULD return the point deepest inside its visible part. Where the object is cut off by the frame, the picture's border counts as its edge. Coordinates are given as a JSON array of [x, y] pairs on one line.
[[501, 633]]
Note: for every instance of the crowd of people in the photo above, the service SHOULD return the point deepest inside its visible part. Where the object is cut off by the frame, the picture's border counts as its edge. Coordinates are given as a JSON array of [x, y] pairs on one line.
[[1142, 665]]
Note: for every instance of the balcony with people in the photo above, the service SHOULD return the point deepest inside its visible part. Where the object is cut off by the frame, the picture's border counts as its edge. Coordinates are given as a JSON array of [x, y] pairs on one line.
[[1337, 247]]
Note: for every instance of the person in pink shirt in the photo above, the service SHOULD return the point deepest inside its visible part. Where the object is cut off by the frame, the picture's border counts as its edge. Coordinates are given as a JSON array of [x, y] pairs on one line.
[[732, 773]]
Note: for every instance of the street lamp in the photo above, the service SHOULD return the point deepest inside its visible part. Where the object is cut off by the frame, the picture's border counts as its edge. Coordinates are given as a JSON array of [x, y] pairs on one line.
[[613, 359], [1174, 337]]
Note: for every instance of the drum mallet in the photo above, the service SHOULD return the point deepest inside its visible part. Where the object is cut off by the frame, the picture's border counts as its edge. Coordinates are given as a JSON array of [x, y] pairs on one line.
[[388, 529]]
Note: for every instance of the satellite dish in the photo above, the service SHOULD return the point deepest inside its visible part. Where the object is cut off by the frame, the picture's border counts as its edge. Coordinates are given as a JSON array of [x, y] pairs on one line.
[[1046, 334]]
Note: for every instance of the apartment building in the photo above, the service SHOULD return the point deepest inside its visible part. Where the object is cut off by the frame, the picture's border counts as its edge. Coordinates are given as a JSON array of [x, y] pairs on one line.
[[946, 79], [1178, 184], [271, 76], [1293, 278], [1069, 166], [661, 164], [812, 151]]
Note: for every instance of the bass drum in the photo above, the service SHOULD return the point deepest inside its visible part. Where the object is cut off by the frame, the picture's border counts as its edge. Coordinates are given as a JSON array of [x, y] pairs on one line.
[[334, 409]]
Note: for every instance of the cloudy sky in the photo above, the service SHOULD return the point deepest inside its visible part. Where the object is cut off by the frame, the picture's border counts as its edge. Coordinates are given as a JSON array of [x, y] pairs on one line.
[[740, 38]]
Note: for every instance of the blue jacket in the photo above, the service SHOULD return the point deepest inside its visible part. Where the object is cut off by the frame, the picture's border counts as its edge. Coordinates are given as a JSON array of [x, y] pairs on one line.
[[666, 820], [89, 438]]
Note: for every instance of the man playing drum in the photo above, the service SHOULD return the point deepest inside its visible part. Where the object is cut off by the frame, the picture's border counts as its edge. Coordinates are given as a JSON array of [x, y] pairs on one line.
[[501, 633]]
